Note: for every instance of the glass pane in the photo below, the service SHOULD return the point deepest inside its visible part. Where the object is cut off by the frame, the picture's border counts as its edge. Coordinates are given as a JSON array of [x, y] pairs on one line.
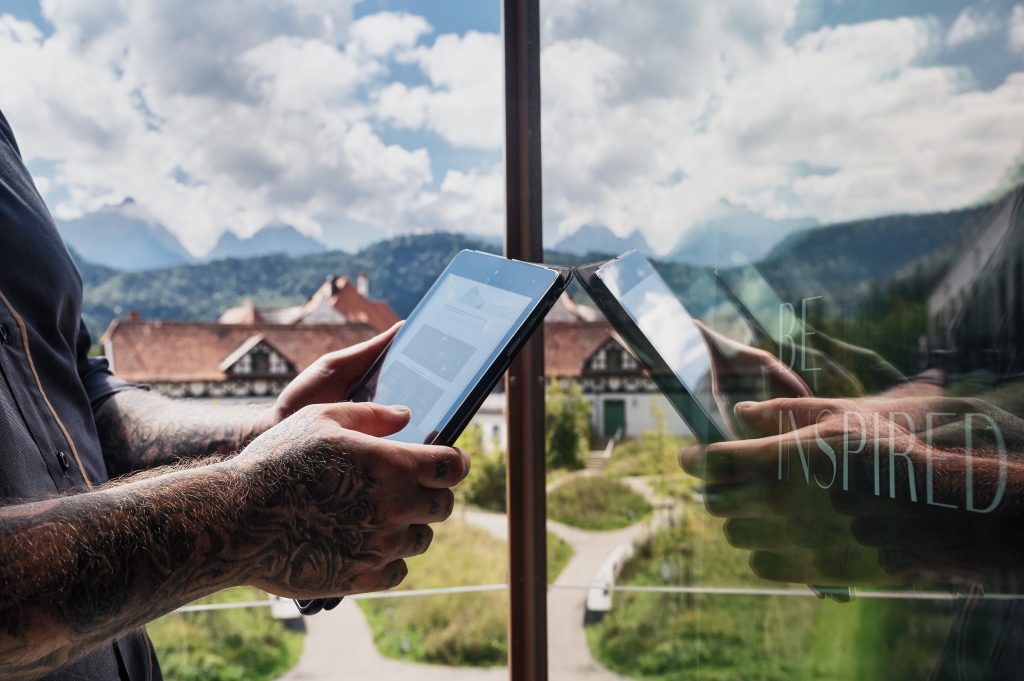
[[247, 187], [825, 204]]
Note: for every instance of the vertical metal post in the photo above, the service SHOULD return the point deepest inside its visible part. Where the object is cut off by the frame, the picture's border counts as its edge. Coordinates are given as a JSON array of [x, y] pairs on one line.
[[524, 385]]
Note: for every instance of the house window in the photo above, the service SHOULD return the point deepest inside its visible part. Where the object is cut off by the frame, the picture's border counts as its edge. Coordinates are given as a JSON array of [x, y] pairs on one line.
[[628, 361], [260, 361], [598, 363]]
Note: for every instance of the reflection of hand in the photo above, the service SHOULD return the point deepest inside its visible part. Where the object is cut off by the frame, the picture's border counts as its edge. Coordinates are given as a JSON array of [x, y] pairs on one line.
[[791, 529], [912, 502], [740, 372], [331, 509], [331, 378]]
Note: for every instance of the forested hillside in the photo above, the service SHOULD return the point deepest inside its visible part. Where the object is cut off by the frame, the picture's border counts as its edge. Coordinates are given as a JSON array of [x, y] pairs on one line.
[[837, 261]]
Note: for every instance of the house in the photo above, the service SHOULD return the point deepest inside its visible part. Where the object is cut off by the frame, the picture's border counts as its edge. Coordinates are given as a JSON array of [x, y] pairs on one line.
[[249, 352], [215, 360], [976, 310], [623, 399], [254, 352]]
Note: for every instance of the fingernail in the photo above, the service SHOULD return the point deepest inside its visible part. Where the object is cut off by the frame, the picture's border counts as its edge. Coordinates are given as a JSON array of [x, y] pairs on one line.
[[401, 408], [743, 406]]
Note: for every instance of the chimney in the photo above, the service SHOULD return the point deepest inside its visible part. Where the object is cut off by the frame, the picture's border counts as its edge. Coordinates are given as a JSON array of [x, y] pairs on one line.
[[363, 285], [332, 279], [133, 315]]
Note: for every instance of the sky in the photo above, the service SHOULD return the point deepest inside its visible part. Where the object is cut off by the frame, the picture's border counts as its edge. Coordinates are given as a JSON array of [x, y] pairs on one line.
[[359, 120]]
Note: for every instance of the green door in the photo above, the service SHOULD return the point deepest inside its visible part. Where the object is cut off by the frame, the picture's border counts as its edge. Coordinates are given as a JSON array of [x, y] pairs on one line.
[[614, 417]]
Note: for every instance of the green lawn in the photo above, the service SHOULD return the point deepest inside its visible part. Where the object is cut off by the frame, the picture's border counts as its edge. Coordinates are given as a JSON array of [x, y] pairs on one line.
[[724, 638], [242, 644], [454, 629], [656, 457], [591, 502]]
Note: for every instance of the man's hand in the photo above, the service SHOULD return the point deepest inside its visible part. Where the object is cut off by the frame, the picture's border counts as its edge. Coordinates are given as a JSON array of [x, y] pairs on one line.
[[810, 513], [333, 509], [331, 378], [139, 429], [317, 506]]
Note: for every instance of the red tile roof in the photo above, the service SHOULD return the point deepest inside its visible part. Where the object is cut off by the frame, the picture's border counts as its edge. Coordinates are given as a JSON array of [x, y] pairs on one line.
[[153, 351], [356, 307], [568, 344]]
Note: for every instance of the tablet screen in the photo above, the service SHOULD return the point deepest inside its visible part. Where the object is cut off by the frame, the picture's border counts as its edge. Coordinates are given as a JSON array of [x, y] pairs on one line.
[[460, 328], [667, 325]]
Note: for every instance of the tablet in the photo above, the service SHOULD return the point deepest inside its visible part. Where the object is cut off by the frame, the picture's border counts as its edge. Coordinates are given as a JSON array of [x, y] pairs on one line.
[[455, 346], [663, 334], [458, 342]]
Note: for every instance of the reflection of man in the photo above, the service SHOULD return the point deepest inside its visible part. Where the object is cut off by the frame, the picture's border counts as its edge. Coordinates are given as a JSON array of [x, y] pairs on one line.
[[906, 489], [314, 504]]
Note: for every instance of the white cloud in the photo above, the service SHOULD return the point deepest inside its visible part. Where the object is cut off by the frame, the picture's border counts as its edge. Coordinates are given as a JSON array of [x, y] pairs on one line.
[[385, 32], [653, 114], [1015, 40], [970, 25], [213, 115], [463, 101], [472, 202]]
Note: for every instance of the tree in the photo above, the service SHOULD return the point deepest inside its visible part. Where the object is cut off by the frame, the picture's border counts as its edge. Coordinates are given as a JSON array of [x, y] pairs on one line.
[[568, 425], [485, 485]]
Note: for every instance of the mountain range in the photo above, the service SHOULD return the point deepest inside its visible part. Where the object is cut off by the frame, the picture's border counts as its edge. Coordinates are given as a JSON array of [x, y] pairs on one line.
[[838, 261], [736, 228], [708, 243], [125, 237], [599, 239], [283, 239]]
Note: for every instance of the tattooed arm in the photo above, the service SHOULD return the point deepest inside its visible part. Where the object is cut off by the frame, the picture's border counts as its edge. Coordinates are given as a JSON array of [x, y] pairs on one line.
[[140, 430], [316, 506]]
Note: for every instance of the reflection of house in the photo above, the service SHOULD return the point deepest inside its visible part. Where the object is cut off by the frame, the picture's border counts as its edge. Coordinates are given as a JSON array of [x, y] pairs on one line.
[[250, 352], [580, 346], [976, 311]]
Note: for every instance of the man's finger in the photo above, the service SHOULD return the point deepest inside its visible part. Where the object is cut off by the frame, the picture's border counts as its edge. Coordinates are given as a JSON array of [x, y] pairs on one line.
[[372, 419], [779, 415], [381, 579], [440, 467], [416, 541]]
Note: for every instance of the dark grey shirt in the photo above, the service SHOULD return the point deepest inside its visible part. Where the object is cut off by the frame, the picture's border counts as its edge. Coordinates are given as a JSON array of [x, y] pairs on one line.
[[49, 386]]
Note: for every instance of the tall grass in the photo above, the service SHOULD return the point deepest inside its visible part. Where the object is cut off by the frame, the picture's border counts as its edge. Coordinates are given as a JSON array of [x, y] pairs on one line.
[[240, 644], [770, 638], [454, 629]]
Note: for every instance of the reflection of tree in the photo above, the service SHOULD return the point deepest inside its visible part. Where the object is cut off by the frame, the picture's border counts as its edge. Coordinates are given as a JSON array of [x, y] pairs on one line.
[[888, 319]]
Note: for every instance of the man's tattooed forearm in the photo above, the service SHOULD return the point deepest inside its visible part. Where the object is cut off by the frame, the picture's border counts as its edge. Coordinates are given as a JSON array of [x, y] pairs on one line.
[[96, 565], [139, 430]]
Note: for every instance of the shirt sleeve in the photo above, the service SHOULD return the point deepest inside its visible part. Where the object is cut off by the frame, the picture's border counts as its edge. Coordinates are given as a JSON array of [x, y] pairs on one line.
[[99, 381]]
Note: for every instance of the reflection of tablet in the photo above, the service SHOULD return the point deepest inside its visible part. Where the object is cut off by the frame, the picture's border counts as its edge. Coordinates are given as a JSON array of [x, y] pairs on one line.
[[459, 340], [662, 333]]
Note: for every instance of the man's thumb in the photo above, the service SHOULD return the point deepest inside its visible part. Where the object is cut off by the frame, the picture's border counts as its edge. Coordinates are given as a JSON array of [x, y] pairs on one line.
[[370, 418]]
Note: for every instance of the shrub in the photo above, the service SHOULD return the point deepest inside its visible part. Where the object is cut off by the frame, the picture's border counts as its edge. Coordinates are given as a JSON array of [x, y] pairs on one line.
[[568, 425], [243, 644], [596, 503], [485, 484]]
